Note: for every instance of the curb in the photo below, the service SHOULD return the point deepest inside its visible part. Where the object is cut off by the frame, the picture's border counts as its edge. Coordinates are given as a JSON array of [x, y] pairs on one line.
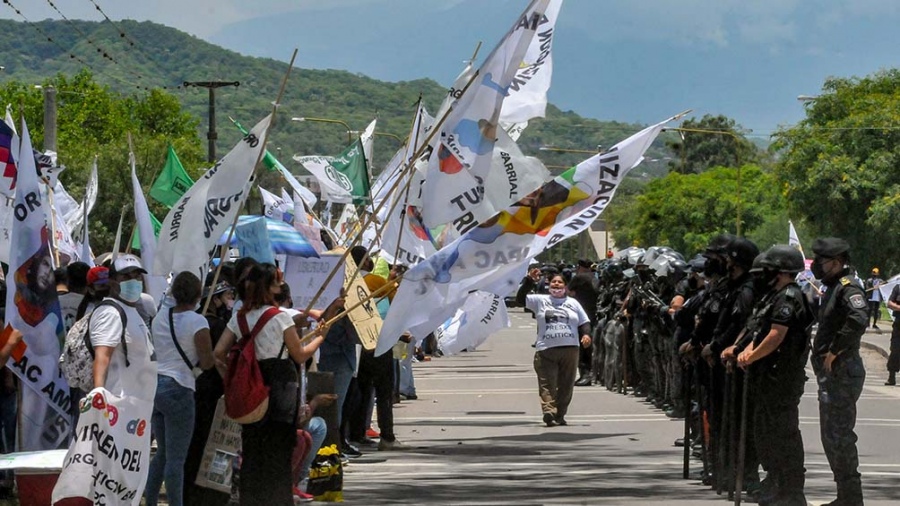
[[874, 347]]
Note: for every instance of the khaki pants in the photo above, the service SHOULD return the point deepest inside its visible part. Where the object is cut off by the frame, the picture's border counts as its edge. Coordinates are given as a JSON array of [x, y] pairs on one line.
[[556, 369]]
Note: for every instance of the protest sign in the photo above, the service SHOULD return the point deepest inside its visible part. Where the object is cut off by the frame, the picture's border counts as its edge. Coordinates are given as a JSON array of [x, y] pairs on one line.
[[365, 318], [222, 448], [306, 275], [109, 458], [253, 241]]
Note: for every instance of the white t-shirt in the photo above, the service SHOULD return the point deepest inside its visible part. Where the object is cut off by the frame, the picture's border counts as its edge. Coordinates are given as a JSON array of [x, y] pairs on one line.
[[271, 338], [68, 307], [139, 378], [170, 363], [557, 320]]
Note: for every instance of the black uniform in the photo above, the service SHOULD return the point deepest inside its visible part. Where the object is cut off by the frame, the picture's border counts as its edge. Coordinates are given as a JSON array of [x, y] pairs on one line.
[[842, 321], [777, 386], [893, 364]]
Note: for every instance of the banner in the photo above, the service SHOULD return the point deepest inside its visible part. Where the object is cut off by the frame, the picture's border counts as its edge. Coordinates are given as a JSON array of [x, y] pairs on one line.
[[32, 307], [352, 164], [110, 457], [365, 318], [488, 256], [173, 181], [528, 90], [461, 158], [196, 222], [307, 275], [8, 153], [482, 315], [347, 224]]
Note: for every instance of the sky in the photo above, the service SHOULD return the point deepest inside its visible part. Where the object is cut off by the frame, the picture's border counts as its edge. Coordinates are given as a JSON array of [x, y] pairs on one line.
[[624, 60]]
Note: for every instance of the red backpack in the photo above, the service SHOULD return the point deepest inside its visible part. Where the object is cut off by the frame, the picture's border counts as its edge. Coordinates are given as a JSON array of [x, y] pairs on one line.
[[246, 394]]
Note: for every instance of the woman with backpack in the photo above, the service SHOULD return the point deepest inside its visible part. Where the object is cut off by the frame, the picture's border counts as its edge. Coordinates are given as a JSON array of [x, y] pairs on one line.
[[182, 340], [267, 445]]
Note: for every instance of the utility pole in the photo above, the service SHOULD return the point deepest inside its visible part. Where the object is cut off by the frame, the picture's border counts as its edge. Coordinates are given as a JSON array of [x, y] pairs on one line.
[[49, 118], [211, 134]]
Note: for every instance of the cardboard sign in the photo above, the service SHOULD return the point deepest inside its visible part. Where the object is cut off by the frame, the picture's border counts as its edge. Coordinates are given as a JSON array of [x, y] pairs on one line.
[[365, 318], [221, 451], [253, 241], [306, 275]]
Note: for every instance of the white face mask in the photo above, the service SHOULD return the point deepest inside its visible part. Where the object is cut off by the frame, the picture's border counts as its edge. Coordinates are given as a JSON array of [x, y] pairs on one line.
[[557, 292], [130, 291]]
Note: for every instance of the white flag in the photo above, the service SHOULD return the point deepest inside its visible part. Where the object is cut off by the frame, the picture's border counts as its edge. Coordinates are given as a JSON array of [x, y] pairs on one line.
[[309, 198], [491, 256], [87, 203], [528, 91], [794, 239], [347, 224], [156, 284], [200, 217], [482, 315], [368, 142], [461, 156], [274, 206], [335, 186], [32, 307]]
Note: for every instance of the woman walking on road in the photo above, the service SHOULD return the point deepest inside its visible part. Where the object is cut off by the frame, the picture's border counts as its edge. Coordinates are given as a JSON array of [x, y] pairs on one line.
[[560, 322]]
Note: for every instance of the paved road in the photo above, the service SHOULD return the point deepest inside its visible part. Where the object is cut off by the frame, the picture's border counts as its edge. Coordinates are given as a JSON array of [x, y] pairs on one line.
[[478, 439]]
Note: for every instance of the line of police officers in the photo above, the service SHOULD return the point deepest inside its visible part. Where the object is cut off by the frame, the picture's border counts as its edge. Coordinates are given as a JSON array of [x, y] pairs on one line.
[[733, 343]]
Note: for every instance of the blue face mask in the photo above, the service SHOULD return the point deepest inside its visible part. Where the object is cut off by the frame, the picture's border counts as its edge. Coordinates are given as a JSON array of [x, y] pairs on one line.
[[130, 291]]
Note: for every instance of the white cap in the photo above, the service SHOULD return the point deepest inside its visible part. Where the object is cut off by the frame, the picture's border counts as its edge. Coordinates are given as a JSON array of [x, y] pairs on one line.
[[125, 264]]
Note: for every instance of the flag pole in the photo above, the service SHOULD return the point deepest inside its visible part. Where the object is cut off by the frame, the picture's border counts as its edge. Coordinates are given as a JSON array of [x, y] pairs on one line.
[[118, 242], [409, 179], [259, 157], [53, 246], [409, 166]]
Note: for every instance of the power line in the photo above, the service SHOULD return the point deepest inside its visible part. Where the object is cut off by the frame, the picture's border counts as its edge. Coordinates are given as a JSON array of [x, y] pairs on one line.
[[71, 55], [100, 50]]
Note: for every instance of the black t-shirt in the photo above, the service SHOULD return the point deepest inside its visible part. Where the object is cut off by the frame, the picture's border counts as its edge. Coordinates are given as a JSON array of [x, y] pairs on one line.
[[895, 298]]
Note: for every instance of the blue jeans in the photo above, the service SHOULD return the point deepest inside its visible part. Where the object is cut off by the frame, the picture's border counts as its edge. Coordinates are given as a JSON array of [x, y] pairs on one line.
[[343, 373], [318, 430], [173, 426]]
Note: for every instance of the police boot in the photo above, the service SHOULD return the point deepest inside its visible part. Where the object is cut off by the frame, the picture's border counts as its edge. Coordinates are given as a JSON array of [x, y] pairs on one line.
[[768, 490], [848, 494], [892, 379], [584, 379]]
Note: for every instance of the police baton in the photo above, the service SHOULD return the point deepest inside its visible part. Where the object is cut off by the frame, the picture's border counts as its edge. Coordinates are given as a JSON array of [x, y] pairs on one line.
[[722, 439], [742, 441], [686, 396]]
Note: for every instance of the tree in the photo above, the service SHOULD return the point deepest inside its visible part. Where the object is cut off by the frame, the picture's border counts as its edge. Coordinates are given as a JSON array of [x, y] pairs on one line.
[[93, 121], [684, 211], [838, 166], [703, 148]]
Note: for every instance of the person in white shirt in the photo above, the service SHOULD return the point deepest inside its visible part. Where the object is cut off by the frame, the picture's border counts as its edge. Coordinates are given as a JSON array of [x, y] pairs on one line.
[[560, 322], [182, 340]]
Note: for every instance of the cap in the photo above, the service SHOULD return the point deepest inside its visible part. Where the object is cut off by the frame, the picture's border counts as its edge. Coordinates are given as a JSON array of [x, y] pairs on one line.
[[584, 262], [219, 288], [98, 276], [125, 264], [830, 247], [875, 270]]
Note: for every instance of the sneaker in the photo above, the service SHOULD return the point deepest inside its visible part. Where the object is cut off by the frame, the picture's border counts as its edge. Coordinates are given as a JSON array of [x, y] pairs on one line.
[[549, 420], [366, 441], [392, 446], [561, 421], [350, 451], [408, 397], [372, 433], [301, 496]]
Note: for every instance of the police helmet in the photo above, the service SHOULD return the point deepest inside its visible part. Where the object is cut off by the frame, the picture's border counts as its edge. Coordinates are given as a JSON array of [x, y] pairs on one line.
[[718, 244], [758, 263], [650, 256], [784, 258], [697, 263], [742, 251]]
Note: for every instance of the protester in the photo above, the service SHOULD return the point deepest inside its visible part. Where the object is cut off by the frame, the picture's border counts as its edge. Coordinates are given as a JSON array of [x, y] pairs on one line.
[[182, 341], [585, 288], [560, 321], [267, 445], [97, 290], [838, 366]]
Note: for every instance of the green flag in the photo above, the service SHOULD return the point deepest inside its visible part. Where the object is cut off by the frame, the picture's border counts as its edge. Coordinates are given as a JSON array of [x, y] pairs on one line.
[[172, 182], [352, 164], [135, 236]]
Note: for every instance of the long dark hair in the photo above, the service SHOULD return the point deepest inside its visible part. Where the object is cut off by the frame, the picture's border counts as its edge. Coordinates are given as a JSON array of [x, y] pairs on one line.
[[258, 287]]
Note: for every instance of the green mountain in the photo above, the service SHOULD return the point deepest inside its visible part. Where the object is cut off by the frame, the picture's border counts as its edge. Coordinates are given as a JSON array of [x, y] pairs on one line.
[[146, 55]]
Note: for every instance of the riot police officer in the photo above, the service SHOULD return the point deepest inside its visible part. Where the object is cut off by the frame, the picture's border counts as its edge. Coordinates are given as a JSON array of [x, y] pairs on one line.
[[777, 357], [839, 368]]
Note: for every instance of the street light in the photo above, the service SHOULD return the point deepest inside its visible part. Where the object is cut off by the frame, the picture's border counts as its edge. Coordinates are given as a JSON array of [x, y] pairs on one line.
[[567, 150], [807, 98], [736, 138], [327, 120]]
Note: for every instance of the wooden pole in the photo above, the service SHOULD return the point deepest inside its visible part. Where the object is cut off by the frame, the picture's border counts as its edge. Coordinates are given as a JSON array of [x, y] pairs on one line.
[[259, 158]]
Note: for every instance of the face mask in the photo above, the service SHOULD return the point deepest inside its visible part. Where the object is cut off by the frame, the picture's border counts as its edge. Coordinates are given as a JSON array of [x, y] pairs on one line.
[[714, 267], [130, 291], [558, 292], [229, 304], [693, 283], [760, 284]]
